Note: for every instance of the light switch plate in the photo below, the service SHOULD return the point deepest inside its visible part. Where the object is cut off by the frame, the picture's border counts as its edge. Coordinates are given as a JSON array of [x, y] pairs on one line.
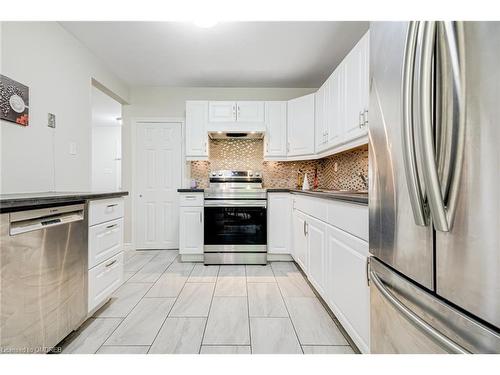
[[51, 120], [72, 148]]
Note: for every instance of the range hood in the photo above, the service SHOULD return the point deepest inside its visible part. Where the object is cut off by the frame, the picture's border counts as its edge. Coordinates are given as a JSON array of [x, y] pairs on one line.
[[236, 135]]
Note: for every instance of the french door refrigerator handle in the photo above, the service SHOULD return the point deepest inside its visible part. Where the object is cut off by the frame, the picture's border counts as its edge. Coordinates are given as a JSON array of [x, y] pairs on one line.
[[449, 345], [454, 36], [426, 131], [417, 199]]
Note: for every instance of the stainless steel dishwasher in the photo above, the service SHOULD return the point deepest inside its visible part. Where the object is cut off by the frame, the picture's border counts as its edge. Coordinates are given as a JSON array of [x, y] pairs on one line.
[[43, 277]]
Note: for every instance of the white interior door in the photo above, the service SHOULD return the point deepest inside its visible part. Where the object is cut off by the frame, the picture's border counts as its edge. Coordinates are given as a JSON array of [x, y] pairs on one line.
[[158, 176]]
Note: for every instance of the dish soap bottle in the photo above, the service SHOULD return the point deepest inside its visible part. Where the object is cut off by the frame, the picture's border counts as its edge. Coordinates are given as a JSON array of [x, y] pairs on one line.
[[305, 185]]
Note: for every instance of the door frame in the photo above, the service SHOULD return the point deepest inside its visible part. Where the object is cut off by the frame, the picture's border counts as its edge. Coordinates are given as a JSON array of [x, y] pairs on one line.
[[133, 139]]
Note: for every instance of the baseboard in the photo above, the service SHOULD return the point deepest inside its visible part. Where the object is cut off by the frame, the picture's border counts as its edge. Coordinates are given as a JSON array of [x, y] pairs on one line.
[[192, 258], [127, 246], [279, 258]]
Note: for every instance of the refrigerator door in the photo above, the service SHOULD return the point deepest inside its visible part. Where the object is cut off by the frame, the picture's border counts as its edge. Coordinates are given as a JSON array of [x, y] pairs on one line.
[[468, 255], [396, 194], [405, 318]]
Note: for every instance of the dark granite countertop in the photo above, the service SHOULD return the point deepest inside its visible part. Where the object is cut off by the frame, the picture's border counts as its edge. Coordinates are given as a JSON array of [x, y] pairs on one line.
[[27, 201], [361, 198], [188, 190]]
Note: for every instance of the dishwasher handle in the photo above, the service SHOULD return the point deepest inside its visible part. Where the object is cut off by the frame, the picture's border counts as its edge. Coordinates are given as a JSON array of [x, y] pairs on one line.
[[28, 221]]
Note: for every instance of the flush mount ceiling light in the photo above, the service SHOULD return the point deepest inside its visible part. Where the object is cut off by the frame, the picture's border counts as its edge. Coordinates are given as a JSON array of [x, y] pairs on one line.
[[205, 23]]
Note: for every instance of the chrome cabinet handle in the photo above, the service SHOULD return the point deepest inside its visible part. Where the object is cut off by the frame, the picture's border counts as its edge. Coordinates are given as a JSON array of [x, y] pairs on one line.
[[111, 226], [201, 219], [417, 199], [112, 205], [190, 197], [365, 116], [449, 345], [304, 228], [361, 120], [110, 263]]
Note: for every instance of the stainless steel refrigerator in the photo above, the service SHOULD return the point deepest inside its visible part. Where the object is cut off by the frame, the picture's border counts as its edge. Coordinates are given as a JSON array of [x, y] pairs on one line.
[[434, 201]]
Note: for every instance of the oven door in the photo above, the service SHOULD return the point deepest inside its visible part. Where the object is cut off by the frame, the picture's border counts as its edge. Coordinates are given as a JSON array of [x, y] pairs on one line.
[[235, 225]]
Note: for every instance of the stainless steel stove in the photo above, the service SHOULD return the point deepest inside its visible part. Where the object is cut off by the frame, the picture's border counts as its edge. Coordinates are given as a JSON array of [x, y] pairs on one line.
[[235, 218]]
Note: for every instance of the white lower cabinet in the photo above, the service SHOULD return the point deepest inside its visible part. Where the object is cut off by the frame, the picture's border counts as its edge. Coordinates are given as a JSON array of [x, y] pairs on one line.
[[191, 224], [104, 279], [347, 291], [334, 260], [279, 222], [300, 248], [191, 230], [316, 247], [105, 250]]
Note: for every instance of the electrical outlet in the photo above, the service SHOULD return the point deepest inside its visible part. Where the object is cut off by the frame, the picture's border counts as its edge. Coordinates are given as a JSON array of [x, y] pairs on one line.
[[51, 120]]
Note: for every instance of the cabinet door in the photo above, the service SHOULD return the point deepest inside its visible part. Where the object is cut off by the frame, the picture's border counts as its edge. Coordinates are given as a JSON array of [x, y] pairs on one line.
[[250, 111], [196, 134], [354, 65], [191, 230], [365, 78], [301, 126], [316, 243], [319, 120], [300, 240], [336, 107], [346, 284], [275, 139], [222, 111], [279, 213]]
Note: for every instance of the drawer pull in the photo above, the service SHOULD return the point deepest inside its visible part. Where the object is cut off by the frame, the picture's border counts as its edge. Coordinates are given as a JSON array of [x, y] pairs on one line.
[[111, 226], [190, 197], [110, 263], [112, 205]]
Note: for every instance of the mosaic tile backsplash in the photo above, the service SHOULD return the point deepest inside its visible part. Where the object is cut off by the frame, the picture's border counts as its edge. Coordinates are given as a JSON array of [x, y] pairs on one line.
[[244, 154]]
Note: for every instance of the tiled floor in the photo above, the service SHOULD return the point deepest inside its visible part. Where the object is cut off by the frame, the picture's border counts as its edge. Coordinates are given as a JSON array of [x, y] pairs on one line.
[[166, 306]]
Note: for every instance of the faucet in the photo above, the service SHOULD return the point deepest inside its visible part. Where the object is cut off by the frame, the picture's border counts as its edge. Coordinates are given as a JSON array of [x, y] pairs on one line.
[[364, 178]]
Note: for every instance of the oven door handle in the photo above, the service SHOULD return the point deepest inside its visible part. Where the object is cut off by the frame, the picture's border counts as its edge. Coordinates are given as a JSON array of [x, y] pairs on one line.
[[236, 203]]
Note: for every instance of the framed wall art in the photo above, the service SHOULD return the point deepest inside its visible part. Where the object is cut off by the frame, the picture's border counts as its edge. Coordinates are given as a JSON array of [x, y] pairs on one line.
[[14, 101]]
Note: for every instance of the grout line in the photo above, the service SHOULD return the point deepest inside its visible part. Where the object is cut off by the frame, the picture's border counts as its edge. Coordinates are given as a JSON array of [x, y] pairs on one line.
[[209, 310], [173, 304], [330, 313], [288, 312], [132, 309], [248, 312]]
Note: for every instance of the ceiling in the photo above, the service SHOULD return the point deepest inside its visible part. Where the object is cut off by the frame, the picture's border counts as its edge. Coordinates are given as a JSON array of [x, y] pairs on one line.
[[230, 54], [105, 110]]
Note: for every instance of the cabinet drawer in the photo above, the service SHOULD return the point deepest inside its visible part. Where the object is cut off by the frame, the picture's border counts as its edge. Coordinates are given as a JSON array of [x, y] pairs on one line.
[[104, 279], [315, 207], [105, 240], [350, 217], [191, 200], [105, 210]]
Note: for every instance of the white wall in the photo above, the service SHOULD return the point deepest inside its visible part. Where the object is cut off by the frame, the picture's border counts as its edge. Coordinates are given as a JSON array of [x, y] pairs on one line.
[[58, 70], [106, 169], [170, 102]]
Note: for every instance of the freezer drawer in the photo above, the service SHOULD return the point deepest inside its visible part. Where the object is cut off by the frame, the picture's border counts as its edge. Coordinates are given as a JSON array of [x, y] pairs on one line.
[[404, 318]]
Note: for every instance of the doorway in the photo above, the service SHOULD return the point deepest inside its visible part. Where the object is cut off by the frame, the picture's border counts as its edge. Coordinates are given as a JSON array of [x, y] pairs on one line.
[[158, 175], [106, 142]]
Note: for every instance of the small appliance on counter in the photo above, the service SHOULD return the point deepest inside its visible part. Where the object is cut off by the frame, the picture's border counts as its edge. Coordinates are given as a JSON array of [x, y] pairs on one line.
[[235, 229]]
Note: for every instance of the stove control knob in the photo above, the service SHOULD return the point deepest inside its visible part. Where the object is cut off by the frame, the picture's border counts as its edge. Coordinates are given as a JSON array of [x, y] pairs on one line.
[[220, 173], [214, 174], [257, 174], [251, 174]]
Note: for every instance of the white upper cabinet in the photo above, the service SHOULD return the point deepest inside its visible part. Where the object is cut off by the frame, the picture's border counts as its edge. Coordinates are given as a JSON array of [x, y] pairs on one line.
[[336, 109], [222, 111], [196, 133], [356, 90], [250, 111], [275, 141], [301, 126], [320, 104], [236, 111]]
